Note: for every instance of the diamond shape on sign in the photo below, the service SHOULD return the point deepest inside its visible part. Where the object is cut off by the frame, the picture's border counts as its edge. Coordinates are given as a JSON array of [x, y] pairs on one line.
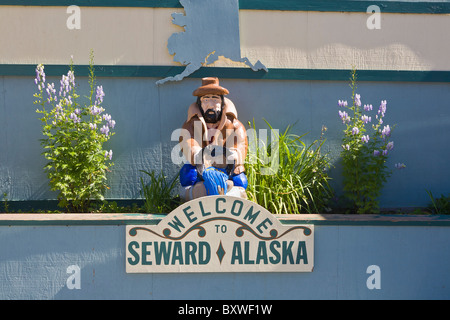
[[220, 252]]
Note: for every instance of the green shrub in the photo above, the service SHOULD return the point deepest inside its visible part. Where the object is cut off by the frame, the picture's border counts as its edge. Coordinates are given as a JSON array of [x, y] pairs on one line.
[[294, 180], [158, 194], [74, 139], [366, 144], [439, 205]]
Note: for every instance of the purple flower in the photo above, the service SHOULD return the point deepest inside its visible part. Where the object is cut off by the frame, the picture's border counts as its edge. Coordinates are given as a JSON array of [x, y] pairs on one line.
[[112, 124], [346, 147], [366, 119], [400, 166], [40, 76], [96, 110], [77, 111], [386, 132], [109, 154], [50, 89], [355, 131], [66, 83], [390, 145], [75, 118], [342, 103], [58, 108], [344, 116], [105, 130], [67, 101], [376, 153], [358, 100], [71, 78], [382, 108], [93, 126], [107, 117], [365, 139], [368, 107], [99, 95]]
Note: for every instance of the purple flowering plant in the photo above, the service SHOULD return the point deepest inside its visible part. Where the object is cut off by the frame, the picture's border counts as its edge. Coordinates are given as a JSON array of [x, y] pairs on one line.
[[74, 138], [366, 144]]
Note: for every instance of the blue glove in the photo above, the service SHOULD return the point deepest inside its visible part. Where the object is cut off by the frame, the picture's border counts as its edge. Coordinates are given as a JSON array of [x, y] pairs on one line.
[[188, 175], [214, 178]]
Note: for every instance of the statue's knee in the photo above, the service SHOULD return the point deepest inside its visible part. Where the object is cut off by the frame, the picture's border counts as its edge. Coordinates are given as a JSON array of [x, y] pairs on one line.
[[240, 180]]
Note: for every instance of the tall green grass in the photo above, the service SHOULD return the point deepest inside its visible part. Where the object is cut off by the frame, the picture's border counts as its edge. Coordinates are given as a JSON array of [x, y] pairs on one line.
[[158, 194], [286, 175]]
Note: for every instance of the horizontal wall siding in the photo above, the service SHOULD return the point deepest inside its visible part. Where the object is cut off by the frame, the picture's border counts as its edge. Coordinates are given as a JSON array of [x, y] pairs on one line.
[[118, 36], [293, 39], [332, 40]]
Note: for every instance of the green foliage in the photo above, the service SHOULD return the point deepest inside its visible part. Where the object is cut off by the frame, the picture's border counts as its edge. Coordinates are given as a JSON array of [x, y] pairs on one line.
[[365, 150], [5, 202], [158, 194], [74, 139], [286, 175], [439, 205]]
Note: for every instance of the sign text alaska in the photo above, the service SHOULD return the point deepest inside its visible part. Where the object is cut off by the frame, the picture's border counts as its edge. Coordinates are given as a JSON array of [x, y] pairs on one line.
[[219, 234]]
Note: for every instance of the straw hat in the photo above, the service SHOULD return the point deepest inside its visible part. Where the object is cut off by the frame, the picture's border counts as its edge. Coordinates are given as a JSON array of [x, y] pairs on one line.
[[210, 85]]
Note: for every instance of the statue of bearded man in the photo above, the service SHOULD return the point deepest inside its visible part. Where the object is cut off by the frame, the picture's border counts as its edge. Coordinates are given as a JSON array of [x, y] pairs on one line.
[[214, 142]]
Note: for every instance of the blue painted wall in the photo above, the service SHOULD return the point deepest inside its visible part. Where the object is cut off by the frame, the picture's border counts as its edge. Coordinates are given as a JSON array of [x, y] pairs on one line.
[[413, 263], [147, 114]]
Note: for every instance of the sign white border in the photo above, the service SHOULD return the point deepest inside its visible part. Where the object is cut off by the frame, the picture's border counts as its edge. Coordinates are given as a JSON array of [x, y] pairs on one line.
[[219, 234]]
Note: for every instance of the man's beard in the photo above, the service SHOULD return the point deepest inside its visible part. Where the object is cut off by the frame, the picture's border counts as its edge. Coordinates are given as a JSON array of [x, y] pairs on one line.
[[212, 116]]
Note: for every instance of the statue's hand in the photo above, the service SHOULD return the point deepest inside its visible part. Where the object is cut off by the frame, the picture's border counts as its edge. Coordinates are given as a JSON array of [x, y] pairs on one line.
[[214, 179]]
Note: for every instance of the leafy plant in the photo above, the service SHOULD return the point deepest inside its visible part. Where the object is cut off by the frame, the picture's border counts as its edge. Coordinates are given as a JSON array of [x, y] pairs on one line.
[[158, 194], [74, 139], [287, 175], [365, 149], [5, 202], [439, 205]]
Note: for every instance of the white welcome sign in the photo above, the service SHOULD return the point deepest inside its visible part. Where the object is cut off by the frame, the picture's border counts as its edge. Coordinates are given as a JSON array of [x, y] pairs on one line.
[[219, 234]]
